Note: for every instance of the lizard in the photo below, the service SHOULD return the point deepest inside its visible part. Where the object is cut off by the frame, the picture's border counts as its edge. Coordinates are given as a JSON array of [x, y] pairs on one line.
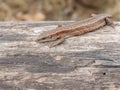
[[59, 34]]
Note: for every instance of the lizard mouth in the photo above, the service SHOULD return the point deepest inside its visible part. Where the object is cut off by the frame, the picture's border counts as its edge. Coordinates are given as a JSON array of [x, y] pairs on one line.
[[40, 39], [44, 39]]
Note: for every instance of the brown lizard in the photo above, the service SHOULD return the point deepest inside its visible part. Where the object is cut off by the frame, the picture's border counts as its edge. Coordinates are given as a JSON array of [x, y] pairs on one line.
[[59, 34]]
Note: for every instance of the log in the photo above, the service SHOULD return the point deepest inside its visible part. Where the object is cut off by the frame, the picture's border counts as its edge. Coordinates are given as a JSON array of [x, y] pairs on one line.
[[87, 62]]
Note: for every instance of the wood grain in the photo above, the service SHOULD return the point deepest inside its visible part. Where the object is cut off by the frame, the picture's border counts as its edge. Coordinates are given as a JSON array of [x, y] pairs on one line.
[[86, 62]]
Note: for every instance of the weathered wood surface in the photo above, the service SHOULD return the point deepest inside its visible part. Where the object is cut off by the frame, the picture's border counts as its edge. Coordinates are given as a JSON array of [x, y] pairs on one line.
[[87, 62]]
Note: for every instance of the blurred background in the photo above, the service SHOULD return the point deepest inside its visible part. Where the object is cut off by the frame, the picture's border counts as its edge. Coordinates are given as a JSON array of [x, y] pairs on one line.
[[48, 10]]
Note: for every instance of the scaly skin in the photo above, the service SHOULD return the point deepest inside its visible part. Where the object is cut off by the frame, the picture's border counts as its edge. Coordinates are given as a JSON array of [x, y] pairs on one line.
[[74, 29]]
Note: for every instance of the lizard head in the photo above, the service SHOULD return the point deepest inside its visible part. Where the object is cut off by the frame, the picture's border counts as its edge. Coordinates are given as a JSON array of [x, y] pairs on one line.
[[46, 38]]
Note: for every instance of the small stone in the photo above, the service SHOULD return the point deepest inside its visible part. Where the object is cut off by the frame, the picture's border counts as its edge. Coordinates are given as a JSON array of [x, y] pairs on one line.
[[58, 57]]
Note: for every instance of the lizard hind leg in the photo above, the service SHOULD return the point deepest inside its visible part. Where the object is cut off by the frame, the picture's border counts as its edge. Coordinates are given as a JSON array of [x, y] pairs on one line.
[[109, 22], [59, 41]]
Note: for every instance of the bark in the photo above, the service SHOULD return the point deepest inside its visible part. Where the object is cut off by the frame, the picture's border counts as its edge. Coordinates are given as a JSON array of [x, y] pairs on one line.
[[87, 62]]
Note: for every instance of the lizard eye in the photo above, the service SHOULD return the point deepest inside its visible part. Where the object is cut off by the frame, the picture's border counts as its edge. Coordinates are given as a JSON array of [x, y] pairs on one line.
[[43, 38]]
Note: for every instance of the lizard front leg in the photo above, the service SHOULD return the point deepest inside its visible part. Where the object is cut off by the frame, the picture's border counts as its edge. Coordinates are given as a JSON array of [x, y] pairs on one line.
[[59, 41], [59, 25]]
